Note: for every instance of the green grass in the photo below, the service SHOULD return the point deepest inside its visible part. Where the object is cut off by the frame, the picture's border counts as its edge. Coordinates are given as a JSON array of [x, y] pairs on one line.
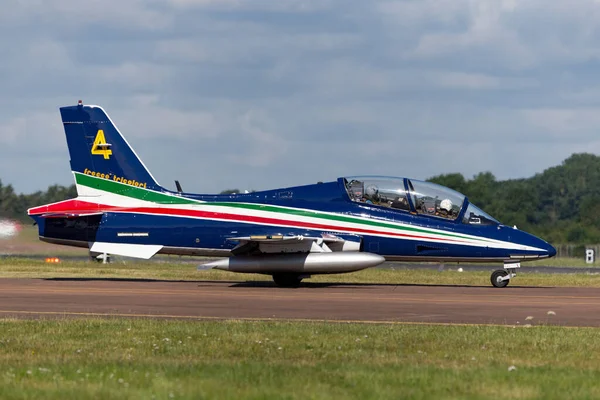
[[23, 268], [19, 268], [562, 262], [124, 358]]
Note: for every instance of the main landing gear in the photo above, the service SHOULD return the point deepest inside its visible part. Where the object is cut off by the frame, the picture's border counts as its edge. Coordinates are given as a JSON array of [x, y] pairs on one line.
[[100, 258], [287, 280], [501, 277]]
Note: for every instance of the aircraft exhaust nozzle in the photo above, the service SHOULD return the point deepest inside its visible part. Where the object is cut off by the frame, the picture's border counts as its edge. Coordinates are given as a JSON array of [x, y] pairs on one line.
[[309, 263]]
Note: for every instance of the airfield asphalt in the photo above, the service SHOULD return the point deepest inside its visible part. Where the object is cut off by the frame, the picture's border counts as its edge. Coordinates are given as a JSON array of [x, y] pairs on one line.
[[387, 265], [513, 305]]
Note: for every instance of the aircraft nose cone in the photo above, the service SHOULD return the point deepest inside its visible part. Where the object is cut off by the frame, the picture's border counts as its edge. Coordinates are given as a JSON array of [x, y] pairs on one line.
[[548, 249], [551, 250], [536, 245]]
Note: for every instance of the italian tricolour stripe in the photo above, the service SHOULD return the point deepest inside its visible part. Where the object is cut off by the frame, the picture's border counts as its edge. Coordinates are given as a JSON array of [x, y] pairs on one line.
[[102, 195]]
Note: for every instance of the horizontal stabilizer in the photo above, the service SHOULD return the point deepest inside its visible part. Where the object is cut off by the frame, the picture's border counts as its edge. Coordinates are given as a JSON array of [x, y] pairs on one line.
[[70, 215], [145, 251]]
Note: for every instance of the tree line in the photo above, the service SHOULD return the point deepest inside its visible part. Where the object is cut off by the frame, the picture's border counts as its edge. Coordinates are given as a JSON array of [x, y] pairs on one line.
[[14, 206], [561, 204]]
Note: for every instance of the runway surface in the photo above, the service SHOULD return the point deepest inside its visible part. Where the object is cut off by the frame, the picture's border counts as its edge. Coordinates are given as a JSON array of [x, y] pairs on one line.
[[386, 265], [34, 298]]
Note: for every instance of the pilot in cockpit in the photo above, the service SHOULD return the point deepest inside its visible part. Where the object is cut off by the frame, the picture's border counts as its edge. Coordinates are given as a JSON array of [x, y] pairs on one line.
[[445, 209], [372, 194]]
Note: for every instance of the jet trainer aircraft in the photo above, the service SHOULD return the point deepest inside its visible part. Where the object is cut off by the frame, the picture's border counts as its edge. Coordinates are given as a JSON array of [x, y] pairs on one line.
[[292, 233]]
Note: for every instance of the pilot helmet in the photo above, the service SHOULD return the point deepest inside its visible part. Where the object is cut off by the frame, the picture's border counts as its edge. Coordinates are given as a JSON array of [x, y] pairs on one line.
[[446, 205], [372, 191]]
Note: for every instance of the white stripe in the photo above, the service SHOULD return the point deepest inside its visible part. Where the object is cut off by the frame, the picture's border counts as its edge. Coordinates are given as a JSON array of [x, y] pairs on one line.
[[434, 235]]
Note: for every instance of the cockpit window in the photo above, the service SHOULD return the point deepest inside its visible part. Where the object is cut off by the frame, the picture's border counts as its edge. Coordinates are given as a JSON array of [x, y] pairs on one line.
[[475, 216], [432, 199], [427, 198], [380, 191]]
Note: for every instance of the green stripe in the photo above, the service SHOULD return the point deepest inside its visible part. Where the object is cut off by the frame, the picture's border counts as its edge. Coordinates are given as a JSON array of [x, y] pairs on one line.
[[129, 191], [161, 198], [337, 217]]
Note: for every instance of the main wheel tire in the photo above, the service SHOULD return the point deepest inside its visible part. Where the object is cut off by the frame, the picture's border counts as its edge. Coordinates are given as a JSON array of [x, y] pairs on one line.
[[287, 280], [496, 275]]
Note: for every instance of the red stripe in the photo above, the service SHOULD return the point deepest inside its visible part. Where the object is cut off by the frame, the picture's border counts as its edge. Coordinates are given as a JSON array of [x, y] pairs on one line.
[[268, 221], [72, 206], [82, 207]]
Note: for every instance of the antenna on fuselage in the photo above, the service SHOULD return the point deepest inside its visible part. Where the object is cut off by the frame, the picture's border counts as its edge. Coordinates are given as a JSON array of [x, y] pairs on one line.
[[178, 186]]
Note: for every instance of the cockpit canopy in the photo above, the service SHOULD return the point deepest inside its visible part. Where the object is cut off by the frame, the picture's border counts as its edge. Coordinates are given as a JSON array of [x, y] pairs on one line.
[[412, 195], [388, 192]]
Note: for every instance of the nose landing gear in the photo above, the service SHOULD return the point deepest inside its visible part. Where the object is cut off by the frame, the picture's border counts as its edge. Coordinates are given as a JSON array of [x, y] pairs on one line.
[[501, 277]]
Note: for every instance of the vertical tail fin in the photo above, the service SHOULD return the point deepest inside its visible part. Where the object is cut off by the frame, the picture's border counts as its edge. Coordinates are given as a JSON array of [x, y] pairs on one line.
[[98, 149]]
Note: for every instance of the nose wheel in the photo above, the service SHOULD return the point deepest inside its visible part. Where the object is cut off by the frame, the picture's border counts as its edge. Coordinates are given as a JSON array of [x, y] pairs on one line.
[[501, 277]]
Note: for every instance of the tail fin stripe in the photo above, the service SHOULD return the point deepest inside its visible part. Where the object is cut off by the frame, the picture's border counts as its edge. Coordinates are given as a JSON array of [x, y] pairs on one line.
[[109, 184]]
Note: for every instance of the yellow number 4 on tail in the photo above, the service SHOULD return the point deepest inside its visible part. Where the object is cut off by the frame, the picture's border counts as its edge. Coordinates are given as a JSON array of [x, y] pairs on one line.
[[100, 147]]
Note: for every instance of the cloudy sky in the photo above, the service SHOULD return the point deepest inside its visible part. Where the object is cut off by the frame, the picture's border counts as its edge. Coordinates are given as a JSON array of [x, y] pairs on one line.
[[259, 94]]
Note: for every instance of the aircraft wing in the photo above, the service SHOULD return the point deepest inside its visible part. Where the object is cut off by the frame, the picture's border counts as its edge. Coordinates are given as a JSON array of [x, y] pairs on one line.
[[292, 244], [274, 254]]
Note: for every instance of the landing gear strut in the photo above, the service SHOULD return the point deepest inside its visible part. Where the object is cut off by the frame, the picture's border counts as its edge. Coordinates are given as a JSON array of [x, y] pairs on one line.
[[101, 258], [287, 280], [501, 277]]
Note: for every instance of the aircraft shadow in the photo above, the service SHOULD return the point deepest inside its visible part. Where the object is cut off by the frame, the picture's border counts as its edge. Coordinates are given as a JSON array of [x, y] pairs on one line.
[[270, 284], [83, 279], [361, 285]]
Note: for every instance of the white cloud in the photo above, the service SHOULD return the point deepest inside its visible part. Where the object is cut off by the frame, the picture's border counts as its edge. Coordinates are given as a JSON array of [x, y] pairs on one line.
[[134, 75], [155, 122], [254, 5], [261, 145], [11, 130], [275, 93], [509, 34], [568, 123], [67, 14], [217, 49], [34, 132]]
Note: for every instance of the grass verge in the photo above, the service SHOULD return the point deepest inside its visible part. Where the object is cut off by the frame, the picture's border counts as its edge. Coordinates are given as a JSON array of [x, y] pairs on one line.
[[137, 358], [19, 268]]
